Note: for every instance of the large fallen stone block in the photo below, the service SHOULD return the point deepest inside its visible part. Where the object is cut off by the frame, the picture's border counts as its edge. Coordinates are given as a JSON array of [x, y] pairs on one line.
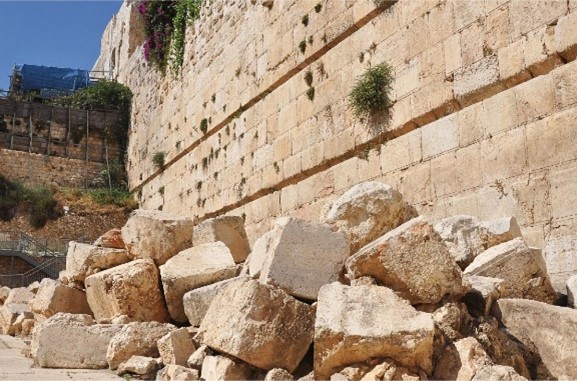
[[550, 331], [136, 339], [176, 347], [177, 373], [157, 235], [145, 367], [461, 360], [560, 255], [256, 258], [226, 229], [258, 324], [10, 324], [221, 368], [522, 269], [132, 289], [413, 261], [197, 301], [20, 295], [53, 297], [111, 239], [497, 373], [483, 293], [71, 341], [84, 260], [193, 268], [466, 237], [354, 324], [303, 256], [367, 211]]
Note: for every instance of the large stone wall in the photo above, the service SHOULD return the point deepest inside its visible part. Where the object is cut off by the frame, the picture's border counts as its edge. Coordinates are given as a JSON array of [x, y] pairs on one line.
[[483, 121], [50, 170]]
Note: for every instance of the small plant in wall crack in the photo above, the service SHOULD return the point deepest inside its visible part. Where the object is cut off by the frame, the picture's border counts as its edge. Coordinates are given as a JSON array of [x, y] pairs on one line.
[[303, 46], [371, 93], [318, 8], [204, 125], [158, 159], [308, 78], [311, 93], [305, 20]]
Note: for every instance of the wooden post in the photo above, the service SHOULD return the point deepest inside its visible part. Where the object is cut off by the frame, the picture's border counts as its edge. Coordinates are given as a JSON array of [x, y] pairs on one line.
[[49, 130], [67, 138], [86, 162]]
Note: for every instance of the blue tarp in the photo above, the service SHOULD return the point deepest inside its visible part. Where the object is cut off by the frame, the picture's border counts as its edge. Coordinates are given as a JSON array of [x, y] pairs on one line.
[[52, 78]]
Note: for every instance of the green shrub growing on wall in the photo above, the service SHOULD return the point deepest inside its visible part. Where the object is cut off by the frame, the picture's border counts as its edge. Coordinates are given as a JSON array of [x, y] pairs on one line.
[[38, 201], [371, 93], [158, 159]]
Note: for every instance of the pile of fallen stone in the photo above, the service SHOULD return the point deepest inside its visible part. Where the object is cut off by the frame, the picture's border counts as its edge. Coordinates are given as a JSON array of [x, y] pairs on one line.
[[372, 292]]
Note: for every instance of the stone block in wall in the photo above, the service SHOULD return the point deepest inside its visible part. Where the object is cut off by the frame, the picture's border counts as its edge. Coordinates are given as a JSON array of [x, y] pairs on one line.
[[453, 58], [539, 51], [440, 136], [477, 81], [527, 15], [503, 156], [472, 43], [535, 98], [471, 121], [512, 63], [565, 85], [496, 30], [555, 131]]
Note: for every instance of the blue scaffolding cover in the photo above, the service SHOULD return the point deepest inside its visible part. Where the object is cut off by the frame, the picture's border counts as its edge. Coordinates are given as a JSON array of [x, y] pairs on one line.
[[52, 78]]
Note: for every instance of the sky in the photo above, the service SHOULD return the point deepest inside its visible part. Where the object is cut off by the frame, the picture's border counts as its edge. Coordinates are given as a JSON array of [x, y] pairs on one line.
[[52, 33]]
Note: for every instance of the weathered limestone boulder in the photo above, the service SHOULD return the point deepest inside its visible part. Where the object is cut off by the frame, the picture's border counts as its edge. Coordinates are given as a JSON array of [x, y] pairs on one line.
[[15, 305], [258, 324], [145, 367], [256, 258], [11, 317], [500, 230], [33, 287], [550, 331], [195, 360], [136, 339], [385, 371], [111, 239], [466, 237], [413, 261], [354, 324], [221, 368], [367, 211], [177, 373], [226, 229], [132, 289], [20, 295], [193, 268], [278, 374], [197, 301], [27, 326], [71, 341], [4, 292], [505, 350], [497, 373], [53, 297], [84, 260], [461, 360], [572, 291], [156, 234], [176, 347], [560, 255], [484, 291], [303, 256], [448, 320], [522, 269]]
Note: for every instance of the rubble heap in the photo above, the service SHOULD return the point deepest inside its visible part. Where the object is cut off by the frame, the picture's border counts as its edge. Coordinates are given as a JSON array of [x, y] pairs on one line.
[[371, 292]]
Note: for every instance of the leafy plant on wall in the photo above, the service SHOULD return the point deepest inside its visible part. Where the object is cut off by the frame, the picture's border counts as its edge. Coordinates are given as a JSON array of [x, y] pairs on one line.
[[165, 28]]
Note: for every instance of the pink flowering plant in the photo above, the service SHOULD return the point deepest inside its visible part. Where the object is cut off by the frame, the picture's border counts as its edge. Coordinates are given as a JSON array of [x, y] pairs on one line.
[[165, 24]]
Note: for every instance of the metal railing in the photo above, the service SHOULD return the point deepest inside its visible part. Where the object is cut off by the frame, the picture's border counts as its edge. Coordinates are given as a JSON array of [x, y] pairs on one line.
[[48, 258]]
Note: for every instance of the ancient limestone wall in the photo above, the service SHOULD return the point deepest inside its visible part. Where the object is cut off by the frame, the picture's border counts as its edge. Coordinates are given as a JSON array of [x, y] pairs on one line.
[[483, 121], [41, 169]]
